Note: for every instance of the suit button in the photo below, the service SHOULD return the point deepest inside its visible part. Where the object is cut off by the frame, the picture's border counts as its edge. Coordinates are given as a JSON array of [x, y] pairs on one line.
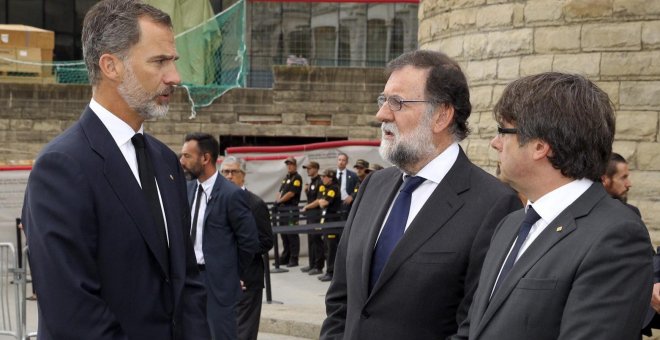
[[364, 315]]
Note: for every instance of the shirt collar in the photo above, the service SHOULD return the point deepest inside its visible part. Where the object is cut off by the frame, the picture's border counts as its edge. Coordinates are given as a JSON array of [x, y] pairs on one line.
[[208, 184], [438, 168], [550, 205], [120, 131]]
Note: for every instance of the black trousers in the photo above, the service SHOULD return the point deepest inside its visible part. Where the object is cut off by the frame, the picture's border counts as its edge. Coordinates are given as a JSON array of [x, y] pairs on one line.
[[249, 312], [290, 242], [331, 244], [315, 241]]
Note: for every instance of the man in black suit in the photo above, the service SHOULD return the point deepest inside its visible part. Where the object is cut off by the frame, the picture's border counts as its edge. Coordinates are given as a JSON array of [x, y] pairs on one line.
[[252, 279], [347, 180], [105, 209], [575, 263], [223, 232], [408, 262]]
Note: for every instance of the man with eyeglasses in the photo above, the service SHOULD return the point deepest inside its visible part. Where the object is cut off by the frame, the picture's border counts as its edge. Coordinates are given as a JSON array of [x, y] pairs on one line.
[[223, 232], [412, 248], [575, 263], [252, 278]]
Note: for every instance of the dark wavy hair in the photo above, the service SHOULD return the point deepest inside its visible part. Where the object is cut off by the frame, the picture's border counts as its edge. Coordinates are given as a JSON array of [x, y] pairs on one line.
[[446, 84], [567, 111]]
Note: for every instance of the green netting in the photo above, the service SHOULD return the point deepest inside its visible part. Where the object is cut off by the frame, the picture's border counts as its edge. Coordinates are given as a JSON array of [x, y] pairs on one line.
[[212, 60]]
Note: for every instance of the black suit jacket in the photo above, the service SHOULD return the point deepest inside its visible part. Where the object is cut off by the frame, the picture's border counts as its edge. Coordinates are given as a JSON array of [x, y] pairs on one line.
[[229, 241], [586, 276], [351, 179], [253, 275], [98, 265], [426, 287]]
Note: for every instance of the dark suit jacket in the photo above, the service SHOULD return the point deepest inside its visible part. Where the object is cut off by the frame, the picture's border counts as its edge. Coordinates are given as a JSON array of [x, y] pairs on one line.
[[351, 179], [589, 279], [98, 265], [253, 275], [426, 287], [229, 241]]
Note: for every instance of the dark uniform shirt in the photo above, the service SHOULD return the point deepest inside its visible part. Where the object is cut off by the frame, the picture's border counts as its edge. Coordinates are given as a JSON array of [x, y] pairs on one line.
[[331, 194], [312, 191], [291, 182], [357, 188]]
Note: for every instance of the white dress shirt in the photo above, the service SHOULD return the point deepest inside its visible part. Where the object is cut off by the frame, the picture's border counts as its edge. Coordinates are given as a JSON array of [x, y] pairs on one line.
[[549, 206], [434, 172], [342, 187], [122, 133], [207, 186]]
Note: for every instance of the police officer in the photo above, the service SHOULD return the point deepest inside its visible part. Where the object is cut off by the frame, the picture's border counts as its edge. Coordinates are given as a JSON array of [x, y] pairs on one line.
[[286, 202], [330, 202], [313, 212]]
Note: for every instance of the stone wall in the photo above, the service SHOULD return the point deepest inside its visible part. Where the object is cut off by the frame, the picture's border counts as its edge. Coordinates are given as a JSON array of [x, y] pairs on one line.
[[305, 101], [616, 43]]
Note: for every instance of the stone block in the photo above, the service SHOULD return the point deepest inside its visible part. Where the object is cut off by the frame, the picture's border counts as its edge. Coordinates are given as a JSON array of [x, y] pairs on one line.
[[20, 124], [646, 185], [158, 128], [461, 19], [487, 126], [628, 150], [651, 35], [363, 133], [507, 43], [497, 93], [259, 119], [534, 64], [637, 125], [480, 97], [628, 64], [478, 151], [508, 68], [481, 70], [293, 118], [612, 90], [648, 156], [187, 127], [464, 3], [555, 39], [587, 64], [612, 37], [223, 118], [541, 11], [452, 46], [495, 16], [4, 124], [650, 210], [475, 46], [640, 95], [637, 8], [587, 9]]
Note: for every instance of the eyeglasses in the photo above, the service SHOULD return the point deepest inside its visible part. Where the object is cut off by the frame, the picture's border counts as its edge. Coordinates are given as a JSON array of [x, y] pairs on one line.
[[233, 172], [506, 131], [395, 103]]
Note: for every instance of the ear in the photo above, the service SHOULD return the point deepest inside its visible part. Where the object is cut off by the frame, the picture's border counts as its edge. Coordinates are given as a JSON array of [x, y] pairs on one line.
[[111, 67], [443, 117], [541, 149], [605, 180]]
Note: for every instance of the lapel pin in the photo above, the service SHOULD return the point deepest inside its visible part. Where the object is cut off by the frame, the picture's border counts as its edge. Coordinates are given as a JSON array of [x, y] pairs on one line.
[[559, 229], [171, 177]]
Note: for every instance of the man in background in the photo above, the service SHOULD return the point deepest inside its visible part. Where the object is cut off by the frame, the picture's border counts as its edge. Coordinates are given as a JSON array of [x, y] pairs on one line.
[[286, 206], [223, 232], [252, 279], [105, 210], [347, 180], [313, 213], [616, 180]]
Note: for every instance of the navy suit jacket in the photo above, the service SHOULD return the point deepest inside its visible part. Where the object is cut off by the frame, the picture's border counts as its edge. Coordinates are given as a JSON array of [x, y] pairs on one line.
[[229, 241], [351, 179], [99, 267]]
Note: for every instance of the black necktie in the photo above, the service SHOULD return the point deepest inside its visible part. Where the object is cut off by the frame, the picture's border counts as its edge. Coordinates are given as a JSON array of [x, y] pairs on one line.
[[530, 218], [393, 228], [341, 177], [148, 181], [198, 200]]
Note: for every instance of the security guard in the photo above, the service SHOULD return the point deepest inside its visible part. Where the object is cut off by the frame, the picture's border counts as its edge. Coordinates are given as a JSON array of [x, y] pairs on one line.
[[286, 202], [313, 212], [330, 202], [362, 170]]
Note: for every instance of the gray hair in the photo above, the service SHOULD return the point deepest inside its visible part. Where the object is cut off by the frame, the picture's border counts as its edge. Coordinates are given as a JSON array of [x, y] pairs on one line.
[[235, 160], [111, 26]]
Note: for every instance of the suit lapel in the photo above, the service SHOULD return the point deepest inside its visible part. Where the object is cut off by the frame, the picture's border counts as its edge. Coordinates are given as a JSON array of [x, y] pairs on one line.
[[123, 183], [214, 195], [438, 209], [543, 243]]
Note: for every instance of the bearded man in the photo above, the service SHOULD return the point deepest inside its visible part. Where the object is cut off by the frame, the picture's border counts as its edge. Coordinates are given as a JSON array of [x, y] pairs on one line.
[[411, 252]]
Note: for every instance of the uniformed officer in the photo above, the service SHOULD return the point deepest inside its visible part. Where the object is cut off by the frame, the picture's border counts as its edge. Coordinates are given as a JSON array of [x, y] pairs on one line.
[[313, 212], [362, 170], [330, 202], [286, 202]]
